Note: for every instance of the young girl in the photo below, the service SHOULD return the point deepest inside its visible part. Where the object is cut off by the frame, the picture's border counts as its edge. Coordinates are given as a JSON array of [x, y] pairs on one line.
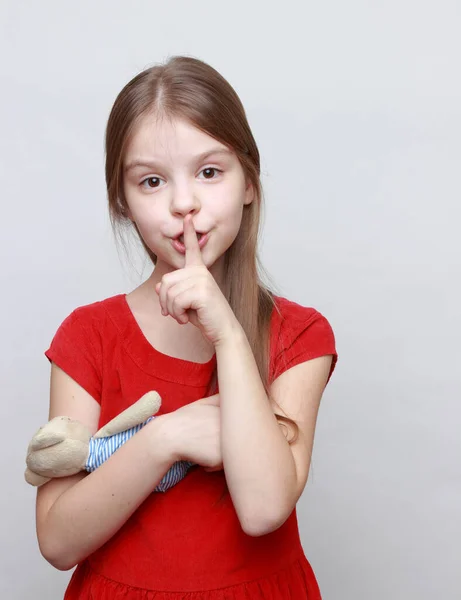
[[239, 369]]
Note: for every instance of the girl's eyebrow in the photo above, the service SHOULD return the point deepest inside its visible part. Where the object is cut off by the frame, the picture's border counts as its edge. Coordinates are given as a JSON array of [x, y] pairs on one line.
[[140, 162]]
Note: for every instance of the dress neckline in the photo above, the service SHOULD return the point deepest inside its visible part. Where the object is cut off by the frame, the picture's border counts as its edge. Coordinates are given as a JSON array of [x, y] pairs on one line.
[[153, 361]]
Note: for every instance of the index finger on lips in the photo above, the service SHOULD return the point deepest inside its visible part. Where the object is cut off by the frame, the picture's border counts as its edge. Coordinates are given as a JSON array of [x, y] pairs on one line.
[[193, 252]]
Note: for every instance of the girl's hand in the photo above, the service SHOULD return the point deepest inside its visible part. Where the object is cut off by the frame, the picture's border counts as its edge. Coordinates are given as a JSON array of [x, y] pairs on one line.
[[192, 294], [193, 433]]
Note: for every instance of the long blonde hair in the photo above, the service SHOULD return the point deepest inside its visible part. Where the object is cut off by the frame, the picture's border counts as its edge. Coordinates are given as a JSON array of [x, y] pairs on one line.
[[192, 90]]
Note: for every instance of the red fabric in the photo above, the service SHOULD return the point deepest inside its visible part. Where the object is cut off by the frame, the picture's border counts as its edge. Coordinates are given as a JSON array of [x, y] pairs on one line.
[[186, 543]]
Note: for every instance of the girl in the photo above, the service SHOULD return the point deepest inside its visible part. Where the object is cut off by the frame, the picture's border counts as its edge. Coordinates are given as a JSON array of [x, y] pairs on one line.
[[225, 353]]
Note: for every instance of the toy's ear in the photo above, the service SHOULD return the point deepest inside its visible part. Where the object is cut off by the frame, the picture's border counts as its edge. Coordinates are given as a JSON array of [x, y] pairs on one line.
[[137, 413], [45, 439]]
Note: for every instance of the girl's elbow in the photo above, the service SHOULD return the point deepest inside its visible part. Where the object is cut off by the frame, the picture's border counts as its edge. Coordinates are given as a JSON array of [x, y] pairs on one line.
[[63, 566], [264, 512], [259, 525], [55, 556], [257, 529]]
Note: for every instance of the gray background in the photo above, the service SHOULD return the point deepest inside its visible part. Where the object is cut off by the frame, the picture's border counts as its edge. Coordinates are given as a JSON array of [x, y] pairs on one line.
[[356, 110]]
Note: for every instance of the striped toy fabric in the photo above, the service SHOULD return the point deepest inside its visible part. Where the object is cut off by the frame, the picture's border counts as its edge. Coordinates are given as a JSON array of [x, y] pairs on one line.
[[101, 448]]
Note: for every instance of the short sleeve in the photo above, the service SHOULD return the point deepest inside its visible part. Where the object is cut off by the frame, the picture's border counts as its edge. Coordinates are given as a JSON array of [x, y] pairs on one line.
[[304, 339], [76, 351]]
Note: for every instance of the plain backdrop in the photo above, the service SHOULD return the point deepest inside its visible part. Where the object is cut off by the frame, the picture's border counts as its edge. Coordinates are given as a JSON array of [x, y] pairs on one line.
[[356, 108]]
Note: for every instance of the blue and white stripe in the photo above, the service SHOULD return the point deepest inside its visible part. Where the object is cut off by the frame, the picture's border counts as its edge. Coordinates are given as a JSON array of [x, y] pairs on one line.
[[102, 448]]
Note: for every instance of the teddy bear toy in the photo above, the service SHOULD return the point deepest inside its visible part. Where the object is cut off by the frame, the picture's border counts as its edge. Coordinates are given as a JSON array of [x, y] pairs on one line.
[[65, 446]]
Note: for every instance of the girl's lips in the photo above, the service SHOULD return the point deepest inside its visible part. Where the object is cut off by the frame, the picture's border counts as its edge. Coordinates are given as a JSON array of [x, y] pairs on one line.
[[181, 248]]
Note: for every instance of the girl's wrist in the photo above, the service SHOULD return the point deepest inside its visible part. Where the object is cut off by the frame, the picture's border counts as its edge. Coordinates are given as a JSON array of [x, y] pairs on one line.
[[234, 331], [162, 441]]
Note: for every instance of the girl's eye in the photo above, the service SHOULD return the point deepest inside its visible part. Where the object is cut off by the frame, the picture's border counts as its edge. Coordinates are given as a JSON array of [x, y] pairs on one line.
[[209, 172], [152, 182]]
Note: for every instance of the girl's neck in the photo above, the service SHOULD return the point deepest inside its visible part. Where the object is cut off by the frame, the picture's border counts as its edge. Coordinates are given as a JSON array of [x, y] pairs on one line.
[[165, 334]]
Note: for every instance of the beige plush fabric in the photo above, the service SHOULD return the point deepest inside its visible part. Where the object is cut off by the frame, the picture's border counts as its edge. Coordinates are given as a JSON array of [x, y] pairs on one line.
[[60, 448]]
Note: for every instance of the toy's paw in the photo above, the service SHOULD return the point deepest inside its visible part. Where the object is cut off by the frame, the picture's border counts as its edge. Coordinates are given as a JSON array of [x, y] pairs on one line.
[[137, 413]]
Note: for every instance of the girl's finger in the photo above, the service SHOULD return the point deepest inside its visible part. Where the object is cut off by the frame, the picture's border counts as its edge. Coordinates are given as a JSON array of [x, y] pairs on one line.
[[174, 306], [165, 287], [193, 252], [180, 303]]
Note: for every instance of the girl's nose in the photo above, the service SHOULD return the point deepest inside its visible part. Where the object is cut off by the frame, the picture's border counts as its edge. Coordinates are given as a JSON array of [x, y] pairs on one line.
[[184, 202]]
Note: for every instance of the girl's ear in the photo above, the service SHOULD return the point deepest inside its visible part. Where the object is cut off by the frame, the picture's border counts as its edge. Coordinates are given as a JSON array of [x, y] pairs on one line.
[[249, 193]]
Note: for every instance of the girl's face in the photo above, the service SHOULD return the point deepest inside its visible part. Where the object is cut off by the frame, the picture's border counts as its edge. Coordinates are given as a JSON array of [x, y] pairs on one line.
[[171, 169]]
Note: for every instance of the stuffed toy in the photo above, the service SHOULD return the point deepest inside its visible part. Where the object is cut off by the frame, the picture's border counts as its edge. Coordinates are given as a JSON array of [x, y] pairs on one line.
[[65, 446]]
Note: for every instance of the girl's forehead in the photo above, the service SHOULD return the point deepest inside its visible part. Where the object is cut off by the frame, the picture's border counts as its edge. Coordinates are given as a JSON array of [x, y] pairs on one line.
[[163, 139], [165, 133]]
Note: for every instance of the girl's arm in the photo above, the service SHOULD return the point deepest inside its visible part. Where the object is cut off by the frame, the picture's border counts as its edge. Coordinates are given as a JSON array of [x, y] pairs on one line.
[[265, 474], [78, 514]]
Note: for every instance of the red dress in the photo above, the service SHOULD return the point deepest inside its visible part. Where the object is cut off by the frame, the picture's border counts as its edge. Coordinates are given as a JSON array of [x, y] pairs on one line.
[[186, 543]]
